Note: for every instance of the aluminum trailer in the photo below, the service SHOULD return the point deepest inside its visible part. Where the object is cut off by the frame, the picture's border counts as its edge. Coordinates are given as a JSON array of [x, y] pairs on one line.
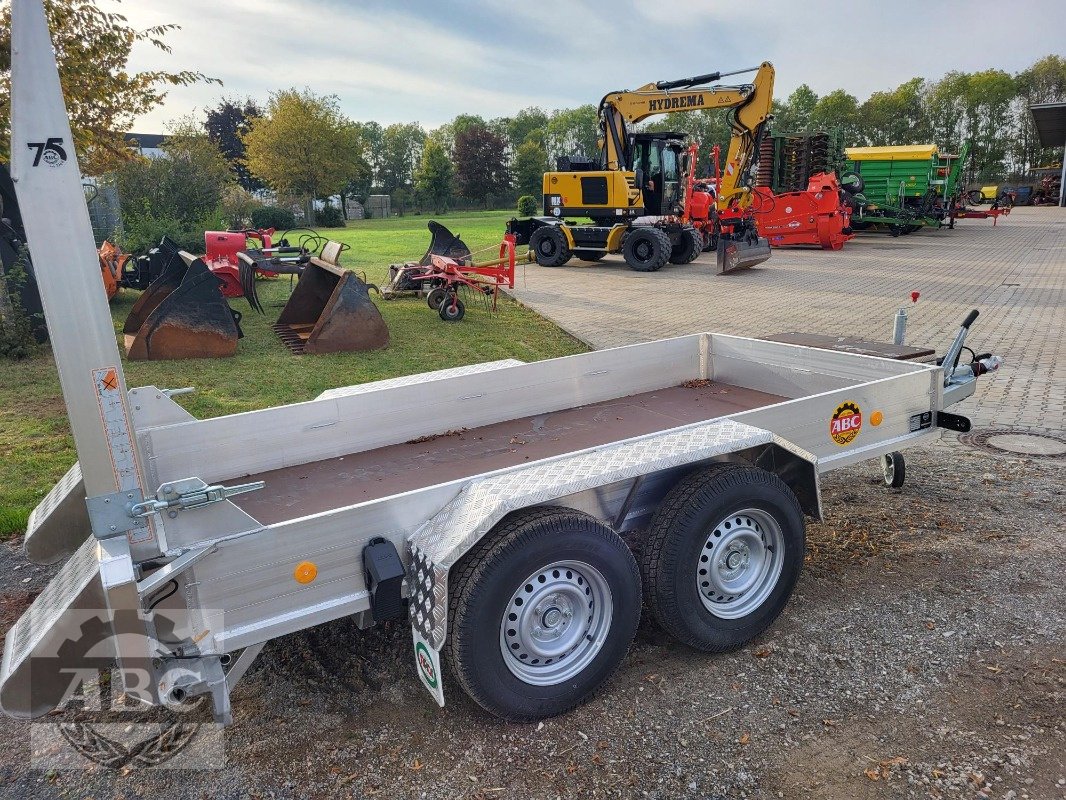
[[498, 500]]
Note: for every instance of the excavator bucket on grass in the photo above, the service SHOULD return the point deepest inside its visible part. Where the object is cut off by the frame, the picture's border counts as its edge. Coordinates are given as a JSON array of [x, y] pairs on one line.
[[737, 254], [182, 314], [330, 311]]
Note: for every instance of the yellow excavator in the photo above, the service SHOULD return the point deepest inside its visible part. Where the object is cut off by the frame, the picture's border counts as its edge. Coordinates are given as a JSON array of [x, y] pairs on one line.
[[634, 191]]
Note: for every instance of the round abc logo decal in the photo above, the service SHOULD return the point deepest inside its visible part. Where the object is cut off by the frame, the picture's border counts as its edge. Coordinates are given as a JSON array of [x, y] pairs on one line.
[[845, 423], [425, 663]]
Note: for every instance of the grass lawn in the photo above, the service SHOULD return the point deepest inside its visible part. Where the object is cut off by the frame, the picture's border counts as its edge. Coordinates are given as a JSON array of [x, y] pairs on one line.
[[36, 447]]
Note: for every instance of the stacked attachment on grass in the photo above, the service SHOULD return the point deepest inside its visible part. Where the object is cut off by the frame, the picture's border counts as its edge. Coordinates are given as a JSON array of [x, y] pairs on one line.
[[448, 268], [231, 254], [412, 277], [182, 314], [330, 311]]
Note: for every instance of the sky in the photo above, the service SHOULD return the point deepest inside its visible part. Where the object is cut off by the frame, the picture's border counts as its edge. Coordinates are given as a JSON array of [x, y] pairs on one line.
[[427, 60]]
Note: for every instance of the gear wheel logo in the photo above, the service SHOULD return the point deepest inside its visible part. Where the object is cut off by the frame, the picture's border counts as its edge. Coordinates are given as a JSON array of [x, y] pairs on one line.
[[845, 423]]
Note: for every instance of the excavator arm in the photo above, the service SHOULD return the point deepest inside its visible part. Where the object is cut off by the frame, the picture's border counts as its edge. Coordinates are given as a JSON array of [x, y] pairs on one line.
[[750, 103]]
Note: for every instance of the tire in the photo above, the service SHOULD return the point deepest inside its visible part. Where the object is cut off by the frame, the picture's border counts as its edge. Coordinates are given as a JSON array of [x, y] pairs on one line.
[[435, 298], [895, 230], [698, 515], [646, 249], [689, 246], [894, 469], [549, 245], [852, 182], [451, 312], [974, 196], [547, 555], [589, 255]]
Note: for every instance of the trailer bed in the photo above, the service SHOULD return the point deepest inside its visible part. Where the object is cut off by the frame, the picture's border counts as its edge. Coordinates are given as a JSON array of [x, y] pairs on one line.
[[321, 486]]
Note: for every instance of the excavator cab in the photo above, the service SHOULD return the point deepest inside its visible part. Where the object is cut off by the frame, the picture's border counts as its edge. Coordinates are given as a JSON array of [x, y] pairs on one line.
[[657, 157]]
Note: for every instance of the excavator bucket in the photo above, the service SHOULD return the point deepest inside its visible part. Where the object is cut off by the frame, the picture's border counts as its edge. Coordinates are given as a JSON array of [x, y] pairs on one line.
[[737, 254], [182, 314], [330, 311], [444, 243]]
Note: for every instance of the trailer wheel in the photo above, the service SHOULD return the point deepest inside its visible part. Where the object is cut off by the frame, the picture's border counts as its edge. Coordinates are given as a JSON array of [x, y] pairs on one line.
[[542, 612], [894, 468], [549, 245], [895, 230], [646, 249], [435, 298], [689, 246], [723, 554], [451, 311], [589, 255]]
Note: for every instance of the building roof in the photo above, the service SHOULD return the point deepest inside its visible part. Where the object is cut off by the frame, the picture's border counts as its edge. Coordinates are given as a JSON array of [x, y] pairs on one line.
[[146, 141], [1050, 119], [904, 152]]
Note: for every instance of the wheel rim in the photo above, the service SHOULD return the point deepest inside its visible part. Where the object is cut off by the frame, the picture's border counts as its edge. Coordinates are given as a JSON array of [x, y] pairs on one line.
[[888, 466], [642, 250], [556, 623], [740, 563], [547, 247]]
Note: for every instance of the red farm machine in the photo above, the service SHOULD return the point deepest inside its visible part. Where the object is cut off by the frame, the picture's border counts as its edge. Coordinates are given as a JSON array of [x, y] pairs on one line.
[[448, 269], [798, 198]]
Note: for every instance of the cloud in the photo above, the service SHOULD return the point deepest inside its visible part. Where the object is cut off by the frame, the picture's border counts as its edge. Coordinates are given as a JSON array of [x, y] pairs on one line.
[[428, 61]]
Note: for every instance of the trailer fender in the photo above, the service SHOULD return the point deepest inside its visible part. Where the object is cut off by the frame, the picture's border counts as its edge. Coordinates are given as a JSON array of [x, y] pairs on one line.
[[440, 542]]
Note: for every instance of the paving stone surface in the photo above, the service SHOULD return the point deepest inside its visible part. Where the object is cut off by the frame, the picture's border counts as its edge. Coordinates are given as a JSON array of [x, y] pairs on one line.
[[1013, 272]]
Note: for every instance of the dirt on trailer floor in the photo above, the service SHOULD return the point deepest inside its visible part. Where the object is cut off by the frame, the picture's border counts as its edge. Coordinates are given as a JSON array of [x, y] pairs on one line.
[[921, 656]]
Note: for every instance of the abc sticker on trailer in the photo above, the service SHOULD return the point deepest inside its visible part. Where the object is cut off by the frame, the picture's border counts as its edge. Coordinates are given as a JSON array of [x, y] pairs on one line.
[[845, 423], [427, 662]]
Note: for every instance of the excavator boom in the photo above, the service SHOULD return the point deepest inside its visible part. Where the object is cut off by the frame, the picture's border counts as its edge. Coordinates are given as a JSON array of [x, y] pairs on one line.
[[751, 105]]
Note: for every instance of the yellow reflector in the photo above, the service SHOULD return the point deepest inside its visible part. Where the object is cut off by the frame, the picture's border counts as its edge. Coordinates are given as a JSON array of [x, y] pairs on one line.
[[305, 572]]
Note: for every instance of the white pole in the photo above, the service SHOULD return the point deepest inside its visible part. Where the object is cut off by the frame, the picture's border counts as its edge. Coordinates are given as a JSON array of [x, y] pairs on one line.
[[48, 184]]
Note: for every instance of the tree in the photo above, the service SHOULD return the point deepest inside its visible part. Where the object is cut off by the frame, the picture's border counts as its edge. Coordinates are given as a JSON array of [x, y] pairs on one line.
[[401, 150], [433, 178], [573, 131], [795, 115], [988, 113], [530, 164], [896, 117], [226, 124], [179, 195], [372, 136], [480, 168], [837, 110], [103, 97], [528, 124], [303, 146]]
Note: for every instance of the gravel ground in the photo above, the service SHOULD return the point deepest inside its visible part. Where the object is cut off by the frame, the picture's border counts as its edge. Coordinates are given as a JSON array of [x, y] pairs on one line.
[[921, 656]]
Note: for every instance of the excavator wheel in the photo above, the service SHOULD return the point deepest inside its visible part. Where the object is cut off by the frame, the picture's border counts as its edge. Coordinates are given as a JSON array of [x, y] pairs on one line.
[[646, 249], [689, 246], [549, 245]]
